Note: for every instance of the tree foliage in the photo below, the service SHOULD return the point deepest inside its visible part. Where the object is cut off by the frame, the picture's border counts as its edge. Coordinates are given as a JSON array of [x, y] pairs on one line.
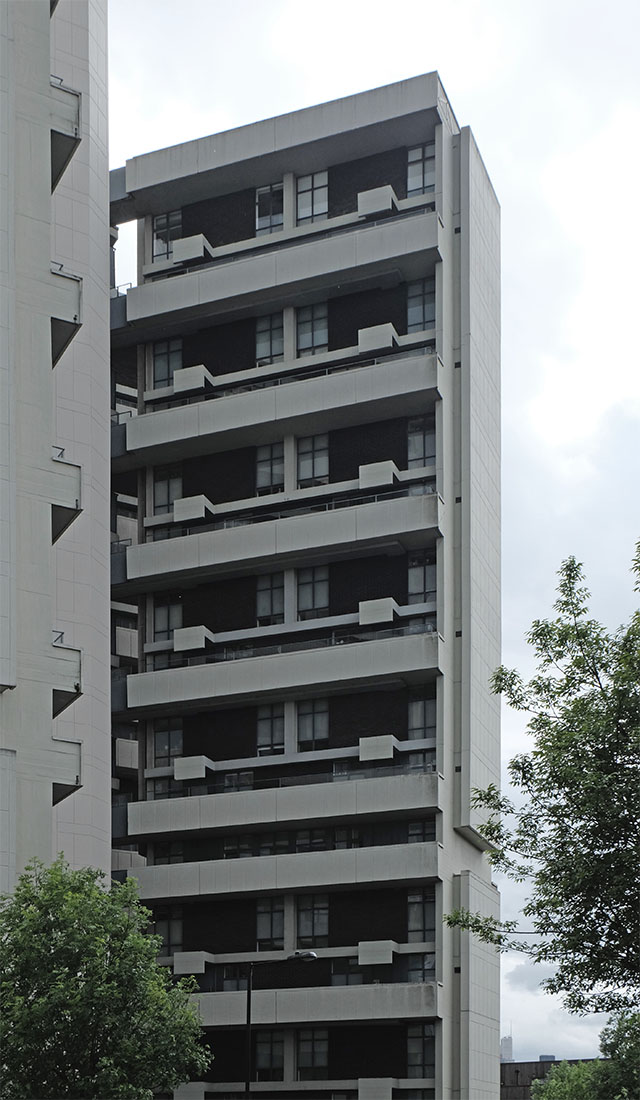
[[85, 1011], [617, 1078], [575, 836]]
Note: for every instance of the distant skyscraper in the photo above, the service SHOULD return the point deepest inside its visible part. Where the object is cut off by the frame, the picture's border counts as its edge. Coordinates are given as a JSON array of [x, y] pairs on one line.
[[506, 1048]]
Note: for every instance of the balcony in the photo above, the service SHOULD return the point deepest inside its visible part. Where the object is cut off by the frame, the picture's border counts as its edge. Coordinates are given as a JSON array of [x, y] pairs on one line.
[[321, 1005], [340, 388], [348, 254], [64, 767], [340, 660], [65, 127], [65, 493], [65, 303], [348, 868], [354, 523], [299, 800], [64, 666]]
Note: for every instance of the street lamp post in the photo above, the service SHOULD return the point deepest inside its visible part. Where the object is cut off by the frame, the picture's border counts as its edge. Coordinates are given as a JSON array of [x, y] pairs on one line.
[[297, 956]]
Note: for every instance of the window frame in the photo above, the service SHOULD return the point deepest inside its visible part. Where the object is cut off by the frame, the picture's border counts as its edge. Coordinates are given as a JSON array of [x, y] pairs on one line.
[[314, 910], [174, 736], [318, 190], [169, 352], [270, 461], [421, 572], [271, 327], [421, 915], [270, 716], [314, 711], [312, 451], [167, 488], [173, 917], [316, 1041], [273, 220], [172, 228], [312, 329], [312, 587], [421, 439], [421, 304], [271, 1040], [271, 909], [421, 1059], [270, 599], [424, 157]]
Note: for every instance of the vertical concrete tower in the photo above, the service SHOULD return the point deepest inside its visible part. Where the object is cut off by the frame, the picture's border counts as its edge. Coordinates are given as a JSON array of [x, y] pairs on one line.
[[306, 536], [54, 401]]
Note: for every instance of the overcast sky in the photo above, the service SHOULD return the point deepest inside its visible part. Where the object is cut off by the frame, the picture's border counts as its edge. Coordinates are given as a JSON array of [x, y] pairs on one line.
[[551, 90]]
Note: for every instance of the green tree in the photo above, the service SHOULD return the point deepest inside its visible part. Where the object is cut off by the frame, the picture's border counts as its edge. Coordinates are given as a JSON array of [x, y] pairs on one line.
[[85, 1011], [566, 1082], [575, 834], [617, 1078]]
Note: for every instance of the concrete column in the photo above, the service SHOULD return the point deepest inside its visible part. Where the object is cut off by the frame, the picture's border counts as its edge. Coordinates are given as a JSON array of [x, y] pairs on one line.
[[288, 200], [290, 464], [289, 334]]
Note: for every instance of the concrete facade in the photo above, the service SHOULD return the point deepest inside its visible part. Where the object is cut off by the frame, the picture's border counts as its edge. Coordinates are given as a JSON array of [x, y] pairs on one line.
[[305, 535], [54, 440]]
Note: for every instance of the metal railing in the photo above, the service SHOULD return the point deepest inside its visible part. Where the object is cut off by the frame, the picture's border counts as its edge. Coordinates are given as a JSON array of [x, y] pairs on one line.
[[424, 624], [271, 242], [160, 534], [300, 372]]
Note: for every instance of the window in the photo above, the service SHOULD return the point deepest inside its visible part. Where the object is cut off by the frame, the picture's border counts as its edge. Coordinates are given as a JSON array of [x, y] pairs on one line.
[[158, 789], [270, 599], [313, 840], [238, 847], [167, 228], [238, 781], [313, 332], [167, 487], [346, 972], [234, 977], [167, 358], [313, 1054], [270, 469], [421, 305], [312, 197], [167, 741], [313, 920], [422, 761], [168, 924], [269, 1055], [421, 577], [270, 730], [421, 968], [313, 460], [347, 838], [421, 1050], [268, 209], [313, 725], [421, 442], [421, 719], [167, 617], [272, 844], [269, 338], [419, 832], [313, 592], [421, 169], [168, 851], [421, 916], [270, 924]]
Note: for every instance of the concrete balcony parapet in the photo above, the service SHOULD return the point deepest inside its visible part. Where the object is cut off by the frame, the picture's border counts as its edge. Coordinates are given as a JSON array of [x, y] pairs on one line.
[[287, 805], [323, 1004], [353, 867]]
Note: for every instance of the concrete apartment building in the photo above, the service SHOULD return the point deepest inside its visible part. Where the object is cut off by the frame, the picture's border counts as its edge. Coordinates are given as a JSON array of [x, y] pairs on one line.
[[55, 768], [305, 525]]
